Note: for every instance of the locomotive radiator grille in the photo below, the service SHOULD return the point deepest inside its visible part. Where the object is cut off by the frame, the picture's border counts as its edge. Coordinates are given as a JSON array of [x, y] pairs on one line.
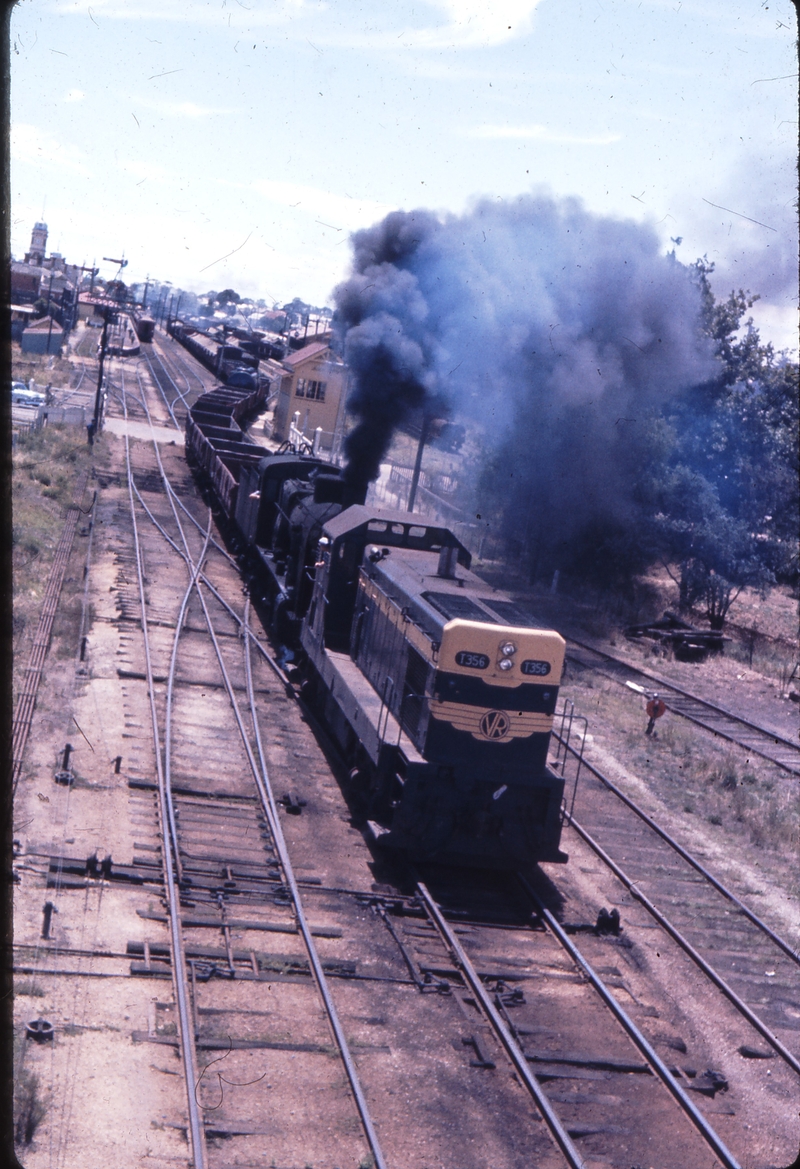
[[492, 726]]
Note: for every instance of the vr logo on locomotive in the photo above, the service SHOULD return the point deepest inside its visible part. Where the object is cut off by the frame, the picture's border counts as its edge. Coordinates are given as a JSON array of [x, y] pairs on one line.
[[495, 724]]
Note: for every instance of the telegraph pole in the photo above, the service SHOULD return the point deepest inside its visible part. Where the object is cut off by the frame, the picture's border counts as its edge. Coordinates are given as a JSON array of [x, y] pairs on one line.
[[49, 316], [412, 495], [98, 398]]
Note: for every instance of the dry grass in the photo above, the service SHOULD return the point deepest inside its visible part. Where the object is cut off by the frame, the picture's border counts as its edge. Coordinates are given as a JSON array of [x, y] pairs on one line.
[[30, 1107], [46, 467], [747, 800], [41, 367], [29, 987]]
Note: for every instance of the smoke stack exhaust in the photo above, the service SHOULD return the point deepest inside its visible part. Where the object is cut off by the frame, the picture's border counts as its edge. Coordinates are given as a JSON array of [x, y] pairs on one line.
[[448, 559], [558, 334]]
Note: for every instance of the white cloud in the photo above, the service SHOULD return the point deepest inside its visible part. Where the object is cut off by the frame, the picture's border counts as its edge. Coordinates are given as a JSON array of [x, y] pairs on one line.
[[465, 23], [541, 134], [339, 212], [194, 12], [30, 144], [182, 109], [74, 95], [474, 23], [468, 24]]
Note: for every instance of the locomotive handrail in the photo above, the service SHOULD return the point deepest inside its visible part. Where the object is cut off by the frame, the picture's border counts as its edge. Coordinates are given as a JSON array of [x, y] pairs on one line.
[[385, 706]]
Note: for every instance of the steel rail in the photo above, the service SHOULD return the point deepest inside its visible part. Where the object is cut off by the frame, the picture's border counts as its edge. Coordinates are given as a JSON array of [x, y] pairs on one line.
[[687, 856], [180, 978], [689, 949], [652, 1057], [264, 788], [664, 685], [204, 579], [160, 389], [223, 551], [513, 1050], [176, 360], [170, 692], [216, 594], [271, 811], [180, 393], [180, 360]]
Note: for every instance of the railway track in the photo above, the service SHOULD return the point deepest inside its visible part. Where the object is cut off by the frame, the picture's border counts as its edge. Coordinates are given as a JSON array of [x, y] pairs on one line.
[[594, 1075], [197, 847], [219, 884], [466, 1015], [734, 948], [195, 382], [700, 711], [171, 393]]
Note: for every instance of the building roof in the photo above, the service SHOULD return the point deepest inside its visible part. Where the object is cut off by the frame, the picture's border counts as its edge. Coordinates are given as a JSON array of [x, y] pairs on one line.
[[300, 355], [42, 324]]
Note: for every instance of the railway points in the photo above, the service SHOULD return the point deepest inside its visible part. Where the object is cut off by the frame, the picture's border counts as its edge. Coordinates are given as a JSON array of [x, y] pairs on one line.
[[268, 1080]]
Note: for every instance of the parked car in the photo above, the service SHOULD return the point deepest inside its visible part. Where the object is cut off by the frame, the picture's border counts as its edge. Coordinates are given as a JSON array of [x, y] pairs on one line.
[[22, 396]]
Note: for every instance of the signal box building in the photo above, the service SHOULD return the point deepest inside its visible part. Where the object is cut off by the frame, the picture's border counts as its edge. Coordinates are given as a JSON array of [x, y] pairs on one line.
[[43, 336], [313, 387]]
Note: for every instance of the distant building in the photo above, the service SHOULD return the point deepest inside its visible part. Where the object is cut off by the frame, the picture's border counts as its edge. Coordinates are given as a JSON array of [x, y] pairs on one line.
[[43, 277], [36, 254], [43, 336], [25, 281], [20, 316], [313, 388]]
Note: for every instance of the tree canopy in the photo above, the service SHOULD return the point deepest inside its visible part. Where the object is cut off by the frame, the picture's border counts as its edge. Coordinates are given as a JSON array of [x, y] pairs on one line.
[[728, 509], [117, 291]]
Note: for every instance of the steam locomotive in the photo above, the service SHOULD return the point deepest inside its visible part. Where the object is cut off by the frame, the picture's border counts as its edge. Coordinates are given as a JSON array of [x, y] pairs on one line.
[[439, 692]]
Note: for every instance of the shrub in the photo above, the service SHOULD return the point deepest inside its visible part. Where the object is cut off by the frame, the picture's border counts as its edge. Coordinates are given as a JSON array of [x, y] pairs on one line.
[[29, 1107]]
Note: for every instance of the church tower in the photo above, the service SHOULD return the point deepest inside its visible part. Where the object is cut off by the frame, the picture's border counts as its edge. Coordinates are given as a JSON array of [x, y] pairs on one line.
[[38, 245]]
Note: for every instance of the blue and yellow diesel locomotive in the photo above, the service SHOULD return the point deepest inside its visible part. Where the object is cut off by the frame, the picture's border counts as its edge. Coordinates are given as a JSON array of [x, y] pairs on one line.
[[437, 688]]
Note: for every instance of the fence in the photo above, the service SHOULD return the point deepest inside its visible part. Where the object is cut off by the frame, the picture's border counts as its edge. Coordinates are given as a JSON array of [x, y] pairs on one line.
[[316, 442], [48, 416]]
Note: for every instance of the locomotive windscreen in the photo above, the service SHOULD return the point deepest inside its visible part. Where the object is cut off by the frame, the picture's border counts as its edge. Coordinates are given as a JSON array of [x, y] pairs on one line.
[[452, 605]]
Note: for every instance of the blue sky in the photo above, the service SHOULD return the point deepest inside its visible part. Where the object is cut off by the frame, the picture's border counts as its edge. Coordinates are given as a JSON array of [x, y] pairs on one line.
[[239, 142]]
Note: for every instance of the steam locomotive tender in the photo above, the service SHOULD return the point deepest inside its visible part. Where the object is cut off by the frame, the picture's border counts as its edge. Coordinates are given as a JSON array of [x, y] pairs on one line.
[[437, 688]]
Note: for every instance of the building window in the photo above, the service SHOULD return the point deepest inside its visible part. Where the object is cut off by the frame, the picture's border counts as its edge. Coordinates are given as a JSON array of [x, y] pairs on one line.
[[306, 388]]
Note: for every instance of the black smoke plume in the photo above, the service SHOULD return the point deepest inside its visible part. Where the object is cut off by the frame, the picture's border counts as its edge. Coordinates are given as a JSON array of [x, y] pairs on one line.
[[560, 332]]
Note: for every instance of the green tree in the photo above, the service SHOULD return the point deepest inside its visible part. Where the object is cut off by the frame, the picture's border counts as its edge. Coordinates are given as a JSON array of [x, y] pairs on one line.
[[727, 509], [117, 291]]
